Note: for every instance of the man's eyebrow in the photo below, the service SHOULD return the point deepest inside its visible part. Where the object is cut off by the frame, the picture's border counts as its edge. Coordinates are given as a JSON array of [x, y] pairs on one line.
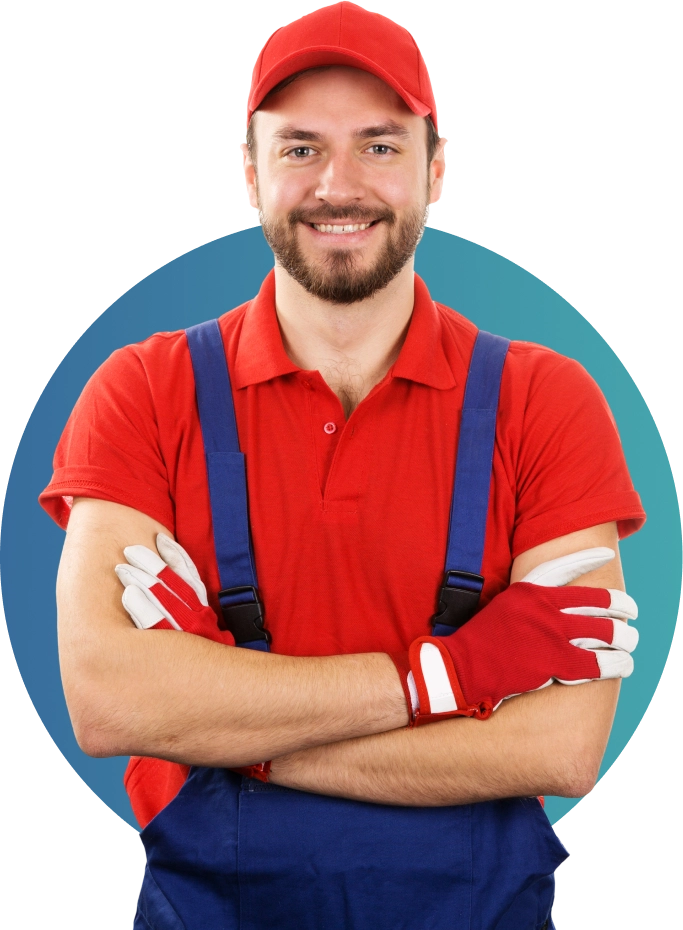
[[389, 128], [294, 134]]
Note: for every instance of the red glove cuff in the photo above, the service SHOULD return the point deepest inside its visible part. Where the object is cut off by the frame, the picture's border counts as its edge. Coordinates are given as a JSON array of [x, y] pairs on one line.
[[463, 708], [452, 701]]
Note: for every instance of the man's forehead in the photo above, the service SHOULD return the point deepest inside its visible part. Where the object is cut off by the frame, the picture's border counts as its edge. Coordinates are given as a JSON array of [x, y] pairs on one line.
[[313, 89], [316, 100]]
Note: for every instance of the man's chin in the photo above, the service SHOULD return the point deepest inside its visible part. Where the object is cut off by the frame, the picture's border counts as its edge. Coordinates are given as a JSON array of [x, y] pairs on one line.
[[345, 277]]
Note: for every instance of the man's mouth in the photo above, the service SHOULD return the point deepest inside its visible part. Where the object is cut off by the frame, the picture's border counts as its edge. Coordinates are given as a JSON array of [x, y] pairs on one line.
[[346, 228]]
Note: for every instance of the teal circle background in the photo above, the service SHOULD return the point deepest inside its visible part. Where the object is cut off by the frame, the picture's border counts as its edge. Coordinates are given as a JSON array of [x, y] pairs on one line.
[[496, 294]]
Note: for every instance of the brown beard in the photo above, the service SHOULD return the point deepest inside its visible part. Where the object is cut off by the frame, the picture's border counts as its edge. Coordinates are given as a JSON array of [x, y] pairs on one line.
[[338, 280]]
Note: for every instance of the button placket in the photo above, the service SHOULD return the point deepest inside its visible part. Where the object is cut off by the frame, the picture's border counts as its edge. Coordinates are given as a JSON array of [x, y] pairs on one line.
[[325, 414]]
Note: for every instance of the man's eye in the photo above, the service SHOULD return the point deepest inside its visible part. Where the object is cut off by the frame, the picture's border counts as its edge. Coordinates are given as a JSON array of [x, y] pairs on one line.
[[380, 149], [302, 151]]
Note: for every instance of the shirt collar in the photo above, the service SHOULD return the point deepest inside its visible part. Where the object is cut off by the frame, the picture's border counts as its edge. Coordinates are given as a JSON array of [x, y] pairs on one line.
[[422, 357], [261, 355]]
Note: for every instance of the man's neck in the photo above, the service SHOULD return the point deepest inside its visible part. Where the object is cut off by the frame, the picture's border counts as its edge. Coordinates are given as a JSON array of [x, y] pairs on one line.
[[353, 346]]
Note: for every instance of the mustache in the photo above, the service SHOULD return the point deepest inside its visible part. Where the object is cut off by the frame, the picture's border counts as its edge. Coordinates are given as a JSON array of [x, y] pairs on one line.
[[330, 215]]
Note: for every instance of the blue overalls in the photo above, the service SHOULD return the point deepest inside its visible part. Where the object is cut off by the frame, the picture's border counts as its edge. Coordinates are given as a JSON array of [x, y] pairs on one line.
[[233, 853]]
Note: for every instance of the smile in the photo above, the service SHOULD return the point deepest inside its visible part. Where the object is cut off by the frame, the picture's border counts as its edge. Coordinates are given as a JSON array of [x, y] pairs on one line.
[[348, 228]]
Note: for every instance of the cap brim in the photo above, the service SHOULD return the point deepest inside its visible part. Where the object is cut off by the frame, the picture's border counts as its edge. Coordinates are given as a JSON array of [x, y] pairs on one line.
[[316, 57]]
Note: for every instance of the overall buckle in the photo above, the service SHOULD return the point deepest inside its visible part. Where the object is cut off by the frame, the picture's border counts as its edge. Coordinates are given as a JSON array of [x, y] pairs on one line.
[[242, 614], [458, 601]]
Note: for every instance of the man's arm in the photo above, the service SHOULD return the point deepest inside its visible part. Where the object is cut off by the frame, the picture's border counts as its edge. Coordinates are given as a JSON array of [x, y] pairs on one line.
[[548, 742], [181, 697]]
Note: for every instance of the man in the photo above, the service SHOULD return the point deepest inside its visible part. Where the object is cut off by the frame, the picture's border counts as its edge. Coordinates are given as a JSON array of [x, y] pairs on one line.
[[348, 384]]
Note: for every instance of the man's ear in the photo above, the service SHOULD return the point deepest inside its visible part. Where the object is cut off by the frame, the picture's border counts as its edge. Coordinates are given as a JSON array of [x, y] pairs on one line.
[[249, 175], [437, 170]]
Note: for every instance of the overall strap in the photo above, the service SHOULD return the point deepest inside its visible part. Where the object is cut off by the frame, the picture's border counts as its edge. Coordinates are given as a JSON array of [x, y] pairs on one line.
[[242, 612], [463, 582]]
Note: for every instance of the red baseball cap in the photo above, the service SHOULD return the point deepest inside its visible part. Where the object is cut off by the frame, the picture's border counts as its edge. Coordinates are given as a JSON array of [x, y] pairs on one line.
[[345, 34]]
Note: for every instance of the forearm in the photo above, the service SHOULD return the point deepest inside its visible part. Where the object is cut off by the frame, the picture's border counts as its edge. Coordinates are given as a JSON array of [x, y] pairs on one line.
[[177, 696], [548, 742], [227, 707]]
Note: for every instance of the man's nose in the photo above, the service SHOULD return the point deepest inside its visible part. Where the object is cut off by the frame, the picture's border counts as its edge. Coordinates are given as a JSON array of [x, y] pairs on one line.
[[341, 180]]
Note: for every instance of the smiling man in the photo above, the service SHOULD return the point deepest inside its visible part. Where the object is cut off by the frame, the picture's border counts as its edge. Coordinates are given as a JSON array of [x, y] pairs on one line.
[[343, 202], [369, 589], [340, 210]]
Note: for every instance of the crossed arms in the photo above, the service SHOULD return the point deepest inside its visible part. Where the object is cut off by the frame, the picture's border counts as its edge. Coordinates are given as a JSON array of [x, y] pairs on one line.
[[334, 725]]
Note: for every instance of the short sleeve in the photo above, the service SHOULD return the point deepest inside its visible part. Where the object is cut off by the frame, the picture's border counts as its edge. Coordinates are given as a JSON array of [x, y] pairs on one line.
[[110, 446], [571, 470]]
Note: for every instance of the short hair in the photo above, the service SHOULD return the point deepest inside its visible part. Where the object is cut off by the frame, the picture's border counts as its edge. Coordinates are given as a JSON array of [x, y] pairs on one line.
[[433, 138]]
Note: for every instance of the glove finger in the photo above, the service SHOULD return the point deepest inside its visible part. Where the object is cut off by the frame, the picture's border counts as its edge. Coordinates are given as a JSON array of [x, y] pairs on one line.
[[579, 666], [179, 615], [598, 612], [605, 631], [624, 637], [567, 568], [614, 663], [592, 664], [201, 621], [621, 607], [177, 558], [574, 596], [142, 558], [130, 575], [144, 612], [600, 629]]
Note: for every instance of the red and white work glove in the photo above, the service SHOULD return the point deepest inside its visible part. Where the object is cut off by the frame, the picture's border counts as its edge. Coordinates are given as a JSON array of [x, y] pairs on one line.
[[165, 592], [533, 633]]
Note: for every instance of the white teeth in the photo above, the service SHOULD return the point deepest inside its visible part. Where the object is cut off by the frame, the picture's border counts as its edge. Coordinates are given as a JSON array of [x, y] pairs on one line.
[[351, 227]]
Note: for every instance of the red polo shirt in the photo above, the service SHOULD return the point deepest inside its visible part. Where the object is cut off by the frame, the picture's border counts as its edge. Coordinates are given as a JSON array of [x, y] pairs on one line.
[[349, 518]]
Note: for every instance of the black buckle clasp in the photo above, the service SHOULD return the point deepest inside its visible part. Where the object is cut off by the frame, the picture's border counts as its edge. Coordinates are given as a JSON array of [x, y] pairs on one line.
[[458, 600], [244, 617]]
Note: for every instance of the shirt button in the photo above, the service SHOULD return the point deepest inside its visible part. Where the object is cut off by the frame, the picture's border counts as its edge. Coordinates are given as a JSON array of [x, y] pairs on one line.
[[330, 428]]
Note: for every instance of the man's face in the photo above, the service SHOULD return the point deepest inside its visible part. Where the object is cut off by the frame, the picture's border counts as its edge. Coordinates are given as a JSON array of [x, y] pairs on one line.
[[341, 181]]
